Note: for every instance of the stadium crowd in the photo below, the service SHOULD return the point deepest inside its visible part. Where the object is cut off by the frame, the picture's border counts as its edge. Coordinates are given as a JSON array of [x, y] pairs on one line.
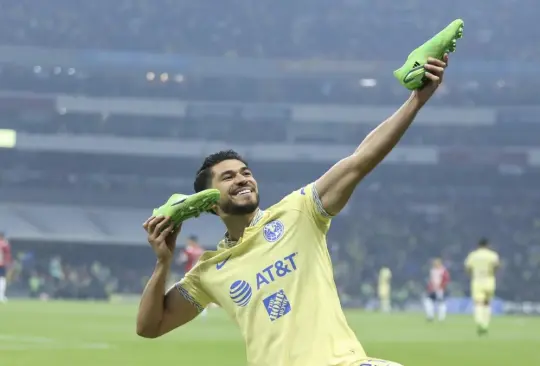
[[400, 228], [400, 225], [54, 277], [404, 234], [342, 29]]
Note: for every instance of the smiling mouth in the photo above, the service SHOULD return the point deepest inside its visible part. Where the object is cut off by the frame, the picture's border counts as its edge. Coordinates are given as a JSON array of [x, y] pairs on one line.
[[243, 192]]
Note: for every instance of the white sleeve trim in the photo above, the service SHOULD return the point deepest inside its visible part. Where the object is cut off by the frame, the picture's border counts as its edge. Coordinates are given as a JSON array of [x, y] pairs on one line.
[[188, 297], [318, 202]]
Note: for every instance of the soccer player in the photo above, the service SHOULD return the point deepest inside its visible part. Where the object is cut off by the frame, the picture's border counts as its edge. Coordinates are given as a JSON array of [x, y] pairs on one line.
[[384, 289], [5, 261], [481, 265], [272, 272], [191, 254], [439, 277]]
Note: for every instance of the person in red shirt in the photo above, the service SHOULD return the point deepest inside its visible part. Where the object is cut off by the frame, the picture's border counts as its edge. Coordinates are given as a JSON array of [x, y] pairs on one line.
[[191, 253], [439, 277], [5, 261]]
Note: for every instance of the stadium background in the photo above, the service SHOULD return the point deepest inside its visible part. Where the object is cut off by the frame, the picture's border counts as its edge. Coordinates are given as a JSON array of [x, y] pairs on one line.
[[107, 107]]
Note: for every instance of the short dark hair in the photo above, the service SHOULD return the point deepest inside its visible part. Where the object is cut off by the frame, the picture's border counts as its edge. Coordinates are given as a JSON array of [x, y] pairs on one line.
[[483, 242], [204, 174], [193, 238]]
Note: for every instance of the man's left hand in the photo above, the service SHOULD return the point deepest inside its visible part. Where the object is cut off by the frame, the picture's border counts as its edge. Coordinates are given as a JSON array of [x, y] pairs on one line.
[[434, 74]]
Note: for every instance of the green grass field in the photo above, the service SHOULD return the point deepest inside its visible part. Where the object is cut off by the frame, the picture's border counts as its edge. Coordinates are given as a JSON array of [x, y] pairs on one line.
[[84, 334]]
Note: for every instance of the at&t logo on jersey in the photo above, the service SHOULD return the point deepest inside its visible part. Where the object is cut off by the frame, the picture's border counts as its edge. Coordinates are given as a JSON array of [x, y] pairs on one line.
[[277, 270], [276, 304], [240, 292], [273, 231]]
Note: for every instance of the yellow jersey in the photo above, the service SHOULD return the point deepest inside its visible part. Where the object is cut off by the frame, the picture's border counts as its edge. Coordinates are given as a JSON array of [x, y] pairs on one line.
[[385, 276], [277, 284], [482, 264]]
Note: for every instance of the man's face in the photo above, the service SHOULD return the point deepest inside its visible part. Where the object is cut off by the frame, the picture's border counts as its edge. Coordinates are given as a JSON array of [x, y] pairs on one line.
[[238, 188]]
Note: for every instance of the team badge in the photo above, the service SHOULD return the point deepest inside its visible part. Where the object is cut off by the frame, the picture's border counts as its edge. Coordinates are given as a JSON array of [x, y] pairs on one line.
[[273, 231]]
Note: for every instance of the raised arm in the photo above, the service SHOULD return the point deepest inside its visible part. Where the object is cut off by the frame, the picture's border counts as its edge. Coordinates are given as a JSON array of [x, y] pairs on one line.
[[468, 265], [496, 263], [161, 312], [336, 186]]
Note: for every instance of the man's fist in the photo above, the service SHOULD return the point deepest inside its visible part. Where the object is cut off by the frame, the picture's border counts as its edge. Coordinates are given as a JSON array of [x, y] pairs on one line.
[[162, 235]]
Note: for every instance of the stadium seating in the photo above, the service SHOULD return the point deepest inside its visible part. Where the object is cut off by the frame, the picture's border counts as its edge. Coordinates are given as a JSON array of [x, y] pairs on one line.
[[85, 172]]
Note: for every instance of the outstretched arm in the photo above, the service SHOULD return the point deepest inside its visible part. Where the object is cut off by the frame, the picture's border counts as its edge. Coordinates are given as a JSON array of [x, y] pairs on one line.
[[336, 186], [468, 265]]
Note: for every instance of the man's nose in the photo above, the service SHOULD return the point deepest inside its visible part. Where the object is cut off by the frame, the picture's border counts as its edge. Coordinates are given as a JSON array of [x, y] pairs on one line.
[[240, 179]]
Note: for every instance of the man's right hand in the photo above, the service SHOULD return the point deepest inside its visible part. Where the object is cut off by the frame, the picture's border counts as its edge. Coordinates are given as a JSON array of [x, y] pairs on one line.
[[162, 236], [161, 311]]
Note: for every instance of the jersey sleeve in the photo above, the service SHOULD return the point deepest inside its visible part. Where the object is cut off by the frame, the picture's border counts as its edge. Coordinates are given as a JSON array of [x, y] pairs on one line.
[[9, 257], [496, 260], [468, 262], [446, 278], [190, 288], [5, 254], [308, 201]]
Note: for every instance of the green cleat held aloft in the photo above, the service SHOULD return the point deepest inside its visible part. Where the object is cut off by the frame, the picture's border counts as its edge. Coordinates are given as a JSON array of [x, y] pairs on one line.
[[181, 207], [411, 74]]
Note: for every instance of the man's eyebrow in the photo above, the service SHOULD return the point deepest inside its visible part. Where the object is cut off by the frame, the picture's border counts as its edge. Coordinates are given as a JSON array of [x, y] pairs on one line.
[[231, 171]]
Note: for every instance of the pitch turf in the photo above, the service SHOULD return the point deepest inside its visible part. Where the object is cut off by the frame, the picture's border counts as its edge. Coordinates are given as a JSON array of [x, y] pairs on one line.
[[90, 334]]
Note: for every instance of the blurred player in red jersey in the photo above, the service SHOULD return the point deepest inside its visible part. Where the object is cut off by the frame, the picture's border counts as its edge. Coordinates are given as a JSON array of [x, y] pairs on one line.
[[191, 253], [5, 261], [190, 256], [439, 277]]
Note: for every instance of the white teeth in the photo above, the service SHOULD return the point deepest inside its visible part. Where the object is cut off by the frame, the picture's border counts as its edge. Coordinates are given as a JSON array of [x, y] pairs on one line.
[[245, 191]]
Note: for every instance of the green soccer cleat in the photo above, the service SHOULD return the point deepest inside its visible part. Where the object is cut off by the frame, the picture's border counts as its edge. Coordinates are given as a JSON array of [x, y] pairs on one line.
[[411, 74], [181, 207]]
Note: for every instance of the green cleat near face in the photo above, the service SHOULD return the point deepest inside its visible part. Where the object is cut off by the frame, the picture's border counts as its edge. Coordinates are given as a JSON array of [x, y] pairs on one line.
[[411, 74], [180, 207]]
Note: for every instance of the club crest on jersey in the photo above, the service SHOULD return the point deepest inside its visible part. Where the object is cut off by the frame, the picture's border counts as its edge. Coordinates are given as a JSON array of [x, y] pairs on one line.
[[273, 231]]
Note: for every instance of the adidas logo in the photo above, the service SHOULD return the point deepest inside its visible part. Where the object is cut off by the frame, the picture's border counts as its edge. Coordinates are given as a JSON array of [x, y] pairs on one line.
[[415, 71], [182, 200]]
